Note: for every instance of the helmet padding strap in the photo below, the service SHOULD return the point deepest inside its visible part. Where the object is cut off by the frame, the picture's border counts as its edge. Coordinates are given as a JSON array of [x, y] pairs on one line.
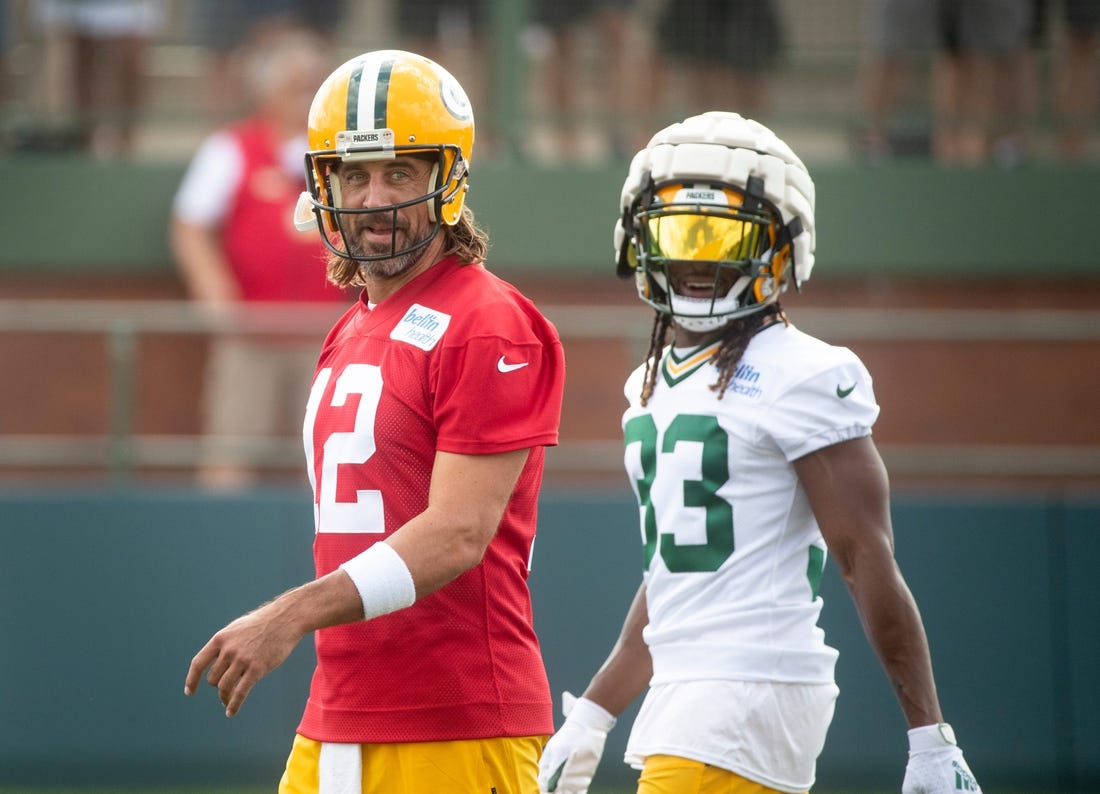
[[433, 177]]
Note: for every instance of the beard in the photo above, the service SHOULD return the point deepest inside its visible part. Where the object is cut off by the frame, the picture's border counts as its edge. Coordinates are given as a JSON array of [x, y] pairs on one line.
[[387, 266], [390, 267]]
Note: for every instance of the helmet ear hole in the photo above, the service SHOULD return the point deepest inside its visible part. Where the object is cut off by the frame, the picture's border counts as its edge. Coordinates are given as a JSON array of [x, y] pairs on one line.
[[763, 287], [628, 258], [453, 195], [780, 263], [773, 277]]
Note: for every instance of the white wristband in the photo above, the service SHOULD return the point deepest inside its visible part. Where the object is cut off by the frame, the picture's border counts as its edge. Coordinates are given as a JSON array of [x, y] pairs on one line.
[[587, 712], [382, 579], [931, 737]]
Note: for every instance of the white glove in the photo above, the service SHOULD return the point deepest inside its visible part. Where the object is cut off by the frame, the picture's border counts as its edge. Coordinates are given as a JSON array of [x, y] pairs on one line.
[[936, 764], [570, 758]]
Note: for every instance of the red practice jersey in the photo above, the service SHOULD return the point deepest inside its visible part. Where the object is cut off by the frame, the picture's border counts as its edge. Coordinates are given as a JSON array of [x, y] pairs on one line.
[[457, 360]]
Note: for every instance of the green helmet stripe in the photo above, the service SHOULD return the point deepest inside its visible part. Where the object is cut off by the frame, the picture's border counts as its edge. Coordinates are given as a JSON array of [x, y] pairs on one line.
[[381, 93], [368, 94], [354, 81]]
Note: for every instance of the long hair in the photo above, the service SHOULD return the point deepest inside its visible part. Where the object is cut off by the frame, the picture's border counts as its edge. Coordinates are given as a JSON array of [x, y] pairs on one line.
[[735, 339], [465, 240]]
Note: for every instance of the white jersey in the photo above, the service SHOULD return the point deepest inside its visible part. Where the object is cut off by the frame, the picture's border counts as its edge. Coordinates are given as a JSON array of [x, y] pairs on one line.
[[733, 553]]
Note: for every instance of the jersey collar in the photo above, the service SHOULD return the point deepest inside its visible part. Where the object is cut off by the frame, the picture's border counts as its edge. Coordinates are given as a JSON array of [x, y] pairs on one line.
[[676, 368]]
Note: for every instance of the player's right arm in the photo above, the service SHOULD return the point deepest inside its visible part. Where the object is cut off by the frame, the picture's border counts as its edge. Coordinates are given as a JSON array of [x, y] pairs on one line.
[[570, 758], [467, 498]]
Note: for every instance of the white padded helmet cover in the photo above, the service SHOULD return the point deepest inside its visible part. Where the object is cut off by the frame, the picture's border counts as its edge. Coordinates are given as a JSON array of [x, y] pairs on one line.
[[725, 147]]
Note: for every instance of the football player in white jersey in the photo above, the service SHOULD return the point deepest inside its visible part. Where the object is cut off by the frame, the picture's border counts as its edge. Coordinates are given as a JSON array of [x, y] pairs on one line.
[[748, 445]]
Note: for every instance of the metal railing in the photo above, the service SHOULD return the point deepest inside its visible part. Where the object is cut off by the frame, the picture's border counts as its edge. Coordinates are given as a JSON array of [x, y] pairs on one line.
[[123, 452]]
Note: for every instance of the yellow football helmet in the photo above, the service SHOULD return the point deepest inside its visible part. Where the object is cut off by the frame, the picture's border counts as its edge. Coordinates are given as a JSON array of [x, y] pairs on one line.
[[722, 196], [381, 105]]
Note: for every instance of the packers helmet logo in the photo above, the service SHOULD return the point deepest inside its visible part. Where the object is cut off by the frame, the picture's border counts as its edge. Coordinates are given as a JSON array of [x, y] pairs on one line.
[[454, 98]]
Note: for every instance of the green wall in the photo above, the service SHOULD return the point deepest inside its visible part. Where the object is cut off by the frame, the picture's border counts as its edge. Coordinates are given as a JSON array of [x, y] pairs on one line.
[[68, 214], [105, 595]]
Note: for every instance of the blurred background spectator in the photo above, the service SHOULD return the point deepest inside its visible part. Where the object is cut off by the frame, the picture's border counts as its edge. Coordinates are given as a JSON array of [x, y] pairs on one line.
[[5, 57], [1075, 78], [974, 50], [982, 44], [599, 88], [996, 81], [5, 36], [222, 26], [235, 244], [723, 53], [102, 47]]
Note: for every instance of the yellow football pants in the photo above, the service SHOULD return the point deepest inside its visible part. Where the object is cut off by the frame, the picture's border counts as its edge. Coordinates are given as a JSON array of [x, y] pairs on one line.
[[478, 766], [668, 774]]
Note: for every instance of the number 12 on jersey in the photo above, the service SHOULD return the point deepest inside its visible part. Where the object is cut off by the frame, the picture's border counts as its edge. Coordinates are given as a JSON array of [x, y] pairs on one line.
[[356, 446]]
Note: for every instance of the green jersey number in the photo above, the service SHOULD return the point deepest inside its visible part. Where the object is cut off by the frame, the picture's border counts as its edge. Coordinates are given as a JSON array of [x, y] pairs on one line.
[[703, 492]]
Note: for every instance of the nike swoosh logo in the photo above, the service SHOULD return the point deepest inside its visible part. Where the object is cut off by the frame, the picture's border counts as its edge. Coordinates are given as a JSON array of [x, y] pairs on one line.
[[503, 366], [842, 393]]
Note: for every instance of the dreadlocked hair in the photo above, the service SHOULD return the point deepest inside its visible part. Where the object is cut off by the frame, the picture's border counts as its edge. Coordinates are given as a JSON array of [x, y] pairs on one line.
[[653, 358], [735, 338]]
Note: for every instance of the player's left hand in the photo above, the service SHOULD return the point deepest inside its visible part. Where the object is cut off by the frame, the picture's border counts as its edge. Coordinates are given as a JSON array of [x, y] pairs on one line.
[[936, 764], [241, 654]]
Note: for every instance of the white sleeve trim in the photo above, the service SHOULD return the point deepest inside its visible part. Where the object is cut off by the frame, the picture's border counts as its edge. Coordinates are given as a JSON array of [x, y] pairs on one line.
[[834, 436]]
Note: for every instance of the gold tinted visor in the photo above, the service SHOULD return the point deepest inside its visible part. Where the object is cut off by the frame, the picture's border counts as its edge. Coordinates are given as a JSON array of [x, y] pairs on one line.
[[704, 237]]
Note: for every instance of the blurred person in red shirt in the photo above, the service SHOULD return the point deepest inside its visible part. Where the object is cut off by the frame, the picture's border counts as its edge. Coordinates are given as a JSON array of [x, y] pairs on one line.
[[235, 243]]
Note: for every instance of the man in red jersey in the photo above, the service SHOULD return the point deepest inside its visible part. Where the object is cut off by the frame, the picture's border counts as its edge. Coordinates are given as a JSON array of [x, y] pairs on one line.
[[434, 397]]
